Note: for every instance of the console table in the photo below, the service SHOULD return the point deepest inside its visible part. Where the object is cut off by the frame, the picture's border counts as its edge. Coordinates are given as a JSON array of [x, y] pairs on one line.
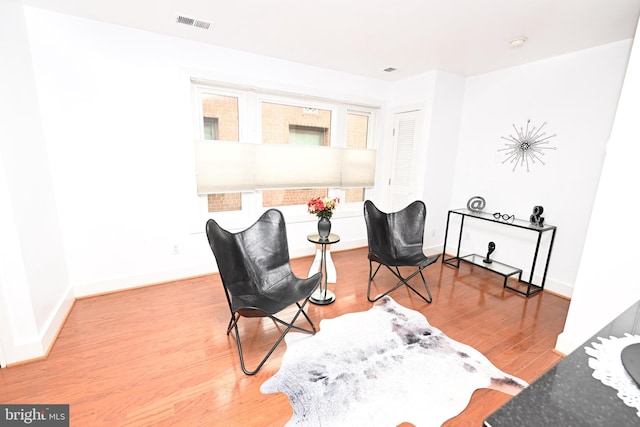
[[504, 270]]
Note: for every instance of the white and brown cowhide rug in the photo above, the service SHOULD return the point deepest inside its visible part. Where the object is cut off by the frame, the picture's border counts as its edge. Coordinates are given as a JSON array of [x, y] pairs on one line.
[[381, 367]]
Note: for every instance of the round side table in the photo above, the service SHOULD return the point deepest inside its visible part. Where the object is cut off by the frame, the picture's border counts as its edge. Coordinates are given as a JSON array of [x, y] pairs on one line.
[[323, 296]]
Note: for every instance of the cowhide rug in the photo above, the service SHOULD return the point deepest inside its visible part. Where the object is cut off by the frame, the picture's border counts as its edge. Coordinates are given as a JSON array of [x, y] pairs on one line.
[[381, 367]]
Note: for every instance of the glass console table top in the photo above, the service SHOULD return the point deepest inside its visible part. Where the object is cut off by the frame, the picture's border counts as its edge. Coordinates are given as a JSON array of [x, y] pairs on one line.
[[489, 216], [496, 266]]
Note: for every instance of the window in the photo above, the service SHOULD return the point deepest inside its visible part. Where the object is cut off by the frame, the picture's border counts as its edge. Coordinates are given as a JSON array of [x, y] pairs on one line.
[[296, 125], [220, 122], [357, 137], [211, 128], [264, 125], [221, 112], [307, 135]]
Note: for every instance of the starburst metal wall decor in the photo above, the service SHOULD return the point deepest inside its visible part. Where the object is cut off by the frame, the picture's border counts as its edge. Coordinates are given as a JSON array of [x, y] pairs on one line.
[[527, 146]]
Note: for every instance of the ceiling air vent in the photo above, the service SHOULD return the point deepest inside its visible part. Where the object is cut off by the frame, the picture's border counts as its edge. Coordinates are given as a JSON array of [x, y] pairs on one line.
[[193, 22]]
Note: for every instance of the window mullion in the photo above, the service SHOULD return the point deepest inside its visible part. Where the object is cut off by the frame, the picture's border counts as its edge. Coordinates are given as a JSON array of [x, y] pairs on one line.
[[339, 127]]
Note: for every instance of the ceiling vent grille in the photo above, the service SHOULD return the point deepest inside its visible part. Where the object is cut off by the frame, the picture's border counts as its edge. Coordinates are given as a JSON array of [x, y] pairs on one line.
[[193, 22]]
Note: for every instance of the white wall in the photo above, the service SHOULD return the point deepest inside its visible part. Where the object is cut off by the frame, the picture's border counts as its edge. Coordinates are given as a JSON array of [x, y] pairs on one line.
[[607, 282], [576, 95], [442, 154], [34, 288], [116, 112], [97, 178], [439, 96]]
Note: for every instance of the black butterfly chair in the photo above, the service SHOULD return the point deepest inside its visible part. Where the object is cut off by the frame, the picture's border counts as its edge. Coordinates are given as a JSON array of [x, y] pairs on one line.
[[395, 240], [255, 269]]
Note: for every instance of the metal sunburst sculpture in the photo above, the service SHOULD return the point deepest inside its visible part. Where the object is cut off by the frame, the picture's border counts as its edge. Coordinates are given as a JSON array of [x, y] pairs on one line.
[[527, 146]]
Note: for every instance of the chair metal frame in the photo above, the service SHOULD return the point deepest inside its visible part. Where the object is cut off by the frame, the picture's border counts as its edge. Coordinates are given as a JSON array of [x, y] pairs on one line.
[[397, 242], [233, 323], [256, 261]]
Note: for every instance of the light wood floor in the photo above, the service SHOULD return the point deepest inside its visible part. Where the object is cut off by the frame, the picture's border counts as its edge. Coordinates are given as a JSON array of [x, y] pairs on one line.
[[159, 355]]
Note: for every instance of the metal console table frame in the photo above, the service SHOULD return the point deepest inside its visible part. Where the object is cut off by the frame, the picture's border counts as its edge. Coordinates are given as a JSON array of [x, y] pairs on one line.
[[503, 269]]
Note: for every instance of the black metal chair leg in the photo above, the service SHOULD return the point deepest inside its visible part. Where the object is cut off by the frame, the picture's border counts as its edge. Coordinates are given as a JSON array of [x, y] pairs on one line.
[[424, 281], [403, 281], [376, 272], [371, 276], [313, 327], [232, 322], [289, 326], [426, 287], [400, 283], [386, 292]]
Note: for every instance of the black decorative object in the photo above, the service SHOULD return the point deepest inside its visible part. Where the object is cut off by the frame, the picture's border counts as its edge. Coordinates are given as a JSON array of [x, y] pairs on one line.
[[504, 217], [536, 217], [324, 227], [476, 204], [631, 361], [492, 247]]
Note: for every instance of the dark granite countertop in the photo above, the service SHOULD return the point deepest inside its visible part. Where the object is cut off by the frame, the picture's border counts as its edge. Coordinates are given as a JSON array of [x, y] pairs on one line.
[[568, 395]]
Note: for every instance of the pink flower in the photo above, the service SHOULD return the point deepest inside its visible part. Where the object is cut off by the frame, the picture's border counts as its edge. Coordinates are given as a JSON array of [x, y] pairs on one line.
[[322, 207]]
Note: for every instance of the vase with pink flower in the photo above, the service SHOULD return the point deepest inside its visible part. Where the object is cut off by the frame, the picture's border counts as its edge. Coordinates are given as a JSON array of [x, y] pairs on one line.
[[323, 208]]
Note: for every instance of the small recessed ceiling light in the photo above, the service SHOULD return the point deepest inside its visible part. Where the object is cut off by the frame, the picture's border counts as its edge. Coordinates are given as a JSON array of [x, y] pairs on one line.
[[517, 42], [389, 69]]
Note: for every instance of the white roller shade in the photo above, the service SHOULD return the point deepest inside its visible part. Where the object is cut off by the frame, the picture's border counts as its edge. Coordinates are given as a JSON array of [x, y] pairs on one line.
[[223, 167], [358, 167], [297, 166]]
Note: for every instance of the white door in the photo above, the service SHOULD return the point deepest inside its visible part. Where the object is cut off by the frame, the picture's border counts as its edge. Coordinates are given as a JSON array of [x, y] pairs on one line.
[[403, 183]]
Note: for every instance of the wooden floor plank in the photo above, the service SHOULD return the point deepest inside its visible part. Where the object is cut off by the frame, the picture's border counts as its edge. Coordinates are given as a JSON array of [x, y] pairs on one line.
[[159, 355]]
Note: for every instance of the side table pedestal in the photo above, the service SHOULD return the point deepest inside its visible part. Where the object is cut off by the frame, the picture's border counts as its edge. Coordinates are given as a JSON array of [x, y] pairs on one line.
[[322, 295]]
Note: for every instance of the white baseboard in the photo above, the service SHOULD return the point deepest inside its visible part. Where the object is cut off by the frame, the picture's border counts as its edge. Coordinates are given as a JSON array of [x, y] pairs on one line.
[[565, 344], [24, 351], [38, 347], [56, 321], [432, 250], [123, 283], [558, 288], [106, 286]]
